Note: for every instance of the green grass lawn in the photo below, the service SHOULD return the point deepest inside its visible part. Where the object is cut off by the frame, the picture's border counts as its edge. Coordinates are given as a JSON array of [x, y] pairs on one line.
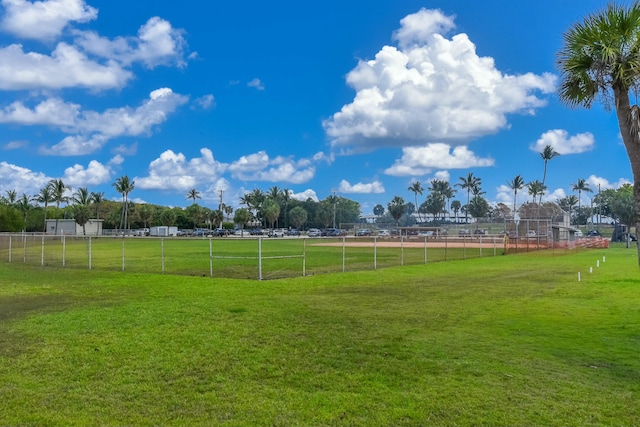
[[508, 340]]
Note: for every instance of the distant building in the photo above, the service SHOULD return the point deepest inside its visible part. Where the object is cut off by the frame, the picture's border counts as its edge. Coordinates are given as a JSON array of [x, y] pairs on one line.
[[69, 227]]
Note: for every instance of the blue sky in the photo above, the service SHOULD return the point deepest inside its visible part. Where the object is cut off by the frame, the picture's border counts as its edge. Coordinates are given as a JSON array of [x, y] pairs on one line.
[[360, 98]]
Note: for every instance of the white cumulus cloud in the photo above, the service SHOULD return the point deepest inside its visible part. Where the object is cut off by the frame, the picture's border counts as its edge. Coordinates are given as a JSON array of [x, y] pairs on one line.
[[45, 19], [361, 188], [563, 143], [172, 171], [430, 89], [418, 161]]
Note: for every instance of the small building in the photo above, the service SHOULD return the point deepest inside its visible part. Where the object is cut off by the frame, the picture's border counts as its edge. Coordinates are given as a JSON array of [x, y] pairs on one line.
[[163, 231], [69, 227]]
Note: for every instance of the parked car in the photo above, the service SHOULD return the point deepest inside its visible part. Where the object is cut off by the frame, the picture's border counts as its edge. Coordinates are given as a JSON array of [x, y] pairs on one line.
[[314, 232], [363, 232], [593, 233], [480, 231], [202, 232], [464, 232], [293, 232], [531, 234], [425, 233], [220, 232], [256, 232], [333, 232], [384, 233], [578, 233], [278, 232]]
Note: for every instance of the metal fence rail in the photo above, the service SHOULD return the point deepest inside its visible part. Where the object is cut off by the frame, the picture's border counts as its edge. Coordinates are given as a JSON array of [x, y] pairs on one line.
[[256, 258]]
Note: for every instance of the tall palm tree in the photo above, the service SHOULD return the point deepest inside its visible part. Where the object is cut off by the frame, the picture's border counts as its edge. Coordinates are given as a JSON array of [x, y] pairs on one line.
[[580, 186], [98, 200], [469, 183], [45, 196], [24, 206], [416, 188], [193, 194], [456, 206], [124, 186], [516, 184], [600, 57], [547, 154], [58, 190]]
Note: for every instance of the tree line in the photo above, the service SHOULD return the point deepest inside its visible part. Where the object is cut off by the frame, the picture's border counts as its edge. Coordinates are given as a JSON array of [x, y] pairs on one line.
[[272, 208]]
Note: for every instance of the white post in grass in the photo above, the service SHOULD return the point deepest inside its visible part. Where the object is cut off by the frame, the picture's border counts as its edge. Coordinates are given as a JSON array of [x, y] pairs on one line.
[[375, 254], [304, 257], [64, 249], [123, 253], [598, 263], [89, 252], [42, 252], [343, 253], [210, 259], [162, 253], [425, 250], [10, 248], [259, 258], [578, 276]]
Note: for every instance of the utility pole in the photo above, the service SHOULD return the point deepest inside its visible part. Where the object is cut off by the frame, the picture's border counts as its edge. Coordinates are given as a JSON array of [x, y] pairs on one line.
[[334, 209], [220, 205]]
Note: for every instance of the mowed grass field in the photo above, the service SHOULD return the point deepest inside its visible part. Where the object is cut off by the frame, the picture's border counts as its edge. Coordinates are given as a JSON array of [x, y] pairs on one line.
[[506, 340]]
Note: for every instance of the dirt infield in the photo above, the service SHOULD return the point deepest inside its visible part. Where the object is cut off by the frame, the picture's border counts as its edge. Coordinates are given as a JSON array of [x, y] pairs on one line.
[[471, 243]]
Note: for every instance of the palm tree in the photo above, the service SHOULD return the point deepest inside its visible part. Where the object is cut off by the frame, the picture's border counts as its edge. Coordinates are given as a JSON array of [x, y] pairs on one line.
[[396, 208], [97, 199], [547, 154], [601, 58], [580, 186], [124, 186], [45, 196], [470, 183], [82, 196], [416, 188], [12, 197], [568, 202], [516, 184], [58, 190], [193, 194], [536, 188], [24, 206], [456, 206]]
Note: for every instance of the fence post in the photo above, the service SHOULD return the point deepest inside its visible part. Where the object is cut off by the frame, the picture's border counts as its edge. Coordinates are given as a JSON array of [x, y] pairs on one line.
[[425, 250], [89, 252], [64, 249], [343, 254], [375, 253], [42, 253], [24, 248], [401, 249], [162, 253], [210, 259], [123, 252], [464, 247], [259, 258], [10, 241], [481, 246], [304, 257]]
